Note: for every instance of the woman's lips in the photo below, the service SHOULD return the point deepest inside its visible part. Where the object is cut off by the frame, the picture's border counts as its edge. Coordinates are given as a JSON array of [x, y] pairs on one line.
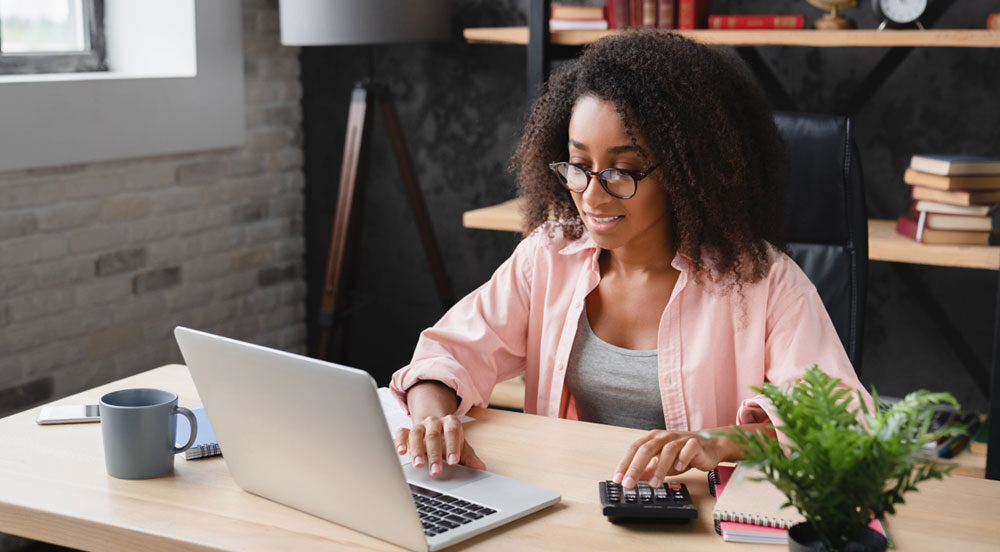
[[603, 223]]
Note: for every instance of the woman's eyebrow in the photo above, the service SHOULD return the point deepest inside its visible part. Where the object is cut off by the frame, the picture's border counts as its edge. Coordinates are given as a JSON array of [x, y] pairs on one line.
[[614, 149]]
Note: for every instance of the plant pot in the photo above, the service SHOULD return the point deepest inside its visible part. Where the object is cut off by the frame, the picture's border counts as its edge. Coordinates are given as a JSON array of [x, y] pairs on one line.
[[802, 538]]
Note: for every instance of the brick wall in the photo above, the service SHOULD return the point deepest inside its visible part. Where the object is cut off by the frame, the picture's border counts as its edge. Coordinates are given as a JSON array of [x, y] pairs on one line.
[[99, 262]]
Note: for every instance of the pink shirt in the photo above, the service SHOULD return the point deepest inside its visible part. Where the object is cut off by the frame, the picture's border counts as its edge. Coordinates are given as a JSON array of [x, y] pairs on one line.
[[711, 347]]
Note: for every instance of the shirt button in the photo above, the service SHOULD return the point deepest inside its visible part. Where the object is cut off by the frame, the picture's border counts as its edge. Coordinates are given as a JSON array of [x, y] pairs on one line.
[[559, 367], [576, 305]]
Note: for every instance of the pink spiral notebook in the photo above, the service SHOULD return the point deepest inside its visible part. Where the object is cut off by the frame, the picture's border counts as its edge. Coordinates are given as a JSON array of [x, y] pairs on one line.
[[751, 511]]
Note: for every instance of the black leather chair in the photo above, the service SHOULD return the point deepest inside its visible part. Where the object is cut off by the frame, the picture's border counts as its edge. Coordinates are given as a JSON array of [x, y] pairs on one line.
[[825, 220]]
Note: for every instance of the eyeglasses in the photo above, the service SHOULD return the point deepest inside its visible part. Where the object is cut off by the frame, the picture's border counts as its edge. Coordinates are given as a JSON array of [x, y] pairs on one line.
[[619, 183]]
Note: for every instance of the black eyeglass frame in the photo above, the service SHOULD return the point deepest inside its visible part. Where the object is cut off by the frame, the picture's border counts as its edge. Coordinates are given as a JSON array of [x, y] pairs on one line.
[[635, 175]]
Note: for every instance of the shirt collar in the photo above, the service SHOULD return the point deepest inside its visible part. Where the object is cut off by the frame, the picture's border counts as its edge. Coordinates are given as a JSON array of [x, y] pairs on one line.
[[585, 242]]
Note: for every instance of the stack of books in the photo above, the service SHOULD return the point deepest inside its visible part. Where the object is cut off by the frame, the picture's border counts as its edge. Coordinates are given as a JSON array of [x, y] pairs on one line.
[[954, 196]]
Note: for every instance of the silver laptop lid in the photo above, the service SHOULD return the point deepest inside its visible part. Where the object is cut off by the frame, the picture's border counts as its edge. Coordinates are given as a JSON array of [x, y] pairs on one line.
[[305, 433]]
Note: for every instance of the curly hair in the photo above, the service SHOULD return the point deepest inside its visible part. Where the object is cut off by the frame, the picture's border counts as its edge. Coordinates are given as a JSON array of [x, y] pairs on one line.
[[707, 125]]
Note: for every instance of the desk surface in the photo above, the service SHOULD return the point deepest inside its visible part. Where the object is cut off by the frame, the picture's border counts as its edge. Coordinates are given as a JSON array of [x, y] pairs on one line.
[[884, 244], [53, 487]]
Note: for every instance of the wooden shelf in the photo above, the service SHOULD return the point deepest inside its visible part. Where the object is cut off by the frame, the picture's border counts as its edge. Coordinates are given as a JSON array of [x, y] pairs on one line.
[[884, 244], [954, 38]]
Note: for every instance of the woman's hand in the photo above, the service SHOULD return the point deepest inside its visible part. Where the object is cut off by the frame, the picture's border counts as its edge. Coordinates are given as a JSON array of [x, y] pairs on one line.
[[661, 453], [435, 439], [437, 433]]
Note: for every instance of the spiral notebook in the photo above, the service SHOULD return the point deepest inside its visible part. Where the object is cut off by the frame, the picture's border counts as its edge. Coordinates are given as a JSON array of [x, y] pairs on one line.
[[751, 511], [205, 443]]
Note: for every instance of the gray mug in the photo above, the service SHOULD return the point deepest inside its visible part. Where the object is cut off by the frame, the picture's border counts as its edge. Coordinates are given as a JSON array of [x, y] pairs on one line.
[[139, 426]]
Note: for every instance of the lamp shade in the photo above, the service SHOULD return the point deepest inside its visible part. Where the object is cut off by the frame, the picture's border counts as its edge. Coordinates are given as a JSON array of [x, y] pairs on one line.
[[332, 22]]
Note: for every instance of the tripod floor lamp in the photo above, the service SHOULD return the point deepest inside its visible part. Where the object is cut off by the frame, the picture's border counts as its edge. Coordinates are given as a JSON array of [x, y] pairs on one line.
[[343, 22]]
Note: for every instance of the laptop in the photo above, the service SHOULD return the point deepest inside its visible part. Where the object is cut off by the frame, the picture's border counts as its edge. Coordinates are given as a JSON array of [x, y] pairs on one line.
[[311, 435]]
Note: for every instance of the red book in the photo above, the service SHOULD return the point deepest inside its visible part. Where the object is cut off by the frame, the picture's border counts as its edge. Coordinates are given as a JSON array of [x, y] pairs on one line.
[[618, 17], [693, 14], [756, 21], [635, 14], [648, 14], [665, 14], [993, 21]]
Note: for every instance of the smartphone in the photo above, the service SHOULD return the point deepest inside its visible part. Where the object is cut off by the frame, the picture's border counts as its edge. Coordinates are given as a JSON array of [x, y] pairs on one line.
[[69, 414]]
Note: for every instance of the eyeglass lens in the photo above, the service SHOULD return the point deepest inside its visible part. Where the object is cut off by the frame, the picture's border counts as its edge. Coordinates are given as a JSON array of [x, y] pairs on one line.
[[617, 182]]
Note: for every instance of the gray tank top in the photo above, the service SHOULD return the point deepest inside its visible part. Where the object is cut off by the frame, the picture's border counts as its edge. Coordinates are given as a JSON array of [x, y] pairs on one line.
[[613, 385]]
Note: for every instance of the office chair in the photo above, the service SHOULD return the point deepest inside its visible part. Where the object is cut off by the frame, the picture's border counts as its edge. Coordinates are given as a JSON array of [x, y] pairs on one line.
[[826, 225]]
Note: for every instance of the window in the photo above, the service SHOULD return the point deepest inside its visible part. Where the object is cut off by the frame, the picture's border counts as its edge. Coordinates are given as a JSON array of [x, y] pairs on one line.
[[51, 36]]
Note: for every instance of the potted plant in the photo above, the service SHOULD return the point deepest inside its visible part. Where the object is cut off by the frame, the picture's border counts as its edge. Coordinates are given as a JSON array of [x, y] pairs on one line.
[[842, 465]]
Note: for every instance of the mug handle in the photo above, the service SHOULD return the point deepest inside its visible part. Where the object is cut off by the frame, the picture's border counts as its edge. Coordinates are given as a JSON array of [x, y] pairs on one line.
[[194, 429]]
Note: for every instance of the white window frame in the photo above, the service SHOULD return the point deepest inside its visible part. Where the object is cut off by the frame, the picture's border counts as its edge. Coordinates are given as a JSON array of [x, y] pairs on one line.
[[91, 59], [189, 99]]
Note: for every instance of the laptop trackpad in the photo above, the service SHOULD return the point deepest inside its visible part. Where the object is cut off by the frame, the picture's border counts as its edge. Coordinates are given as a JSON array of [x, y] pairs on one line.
[[450, 478]]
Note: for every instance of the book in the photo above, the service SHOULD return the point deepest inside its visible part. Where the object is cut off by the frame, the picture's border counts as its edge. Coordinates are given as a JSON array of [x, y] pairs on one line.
[[666, 14], [618, 17], [939, 221], [993, 21], [649, 14], [635, 13], [574, 11], [756, 21], [955, 164], [577, 25], [917, 231], [692, 14], [956, 197], [943, 182], [205, 443], [970, 210], [751, 511]]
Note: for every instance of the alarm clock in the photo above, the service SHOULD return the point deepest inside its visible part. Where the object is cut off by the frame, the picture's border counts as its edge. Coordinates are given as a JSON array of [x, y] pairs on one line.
[[899, 13]]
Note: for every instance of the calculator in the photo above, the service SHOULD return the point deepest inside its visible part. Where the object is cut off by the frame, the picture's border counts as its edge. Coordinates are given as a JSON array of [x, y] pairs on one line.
[[669, 502]]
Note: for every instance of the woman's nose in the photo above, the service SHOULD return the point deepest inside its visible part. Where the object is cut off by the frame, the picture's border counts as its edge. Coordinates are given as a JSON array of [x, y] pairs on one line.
[[595, 194]]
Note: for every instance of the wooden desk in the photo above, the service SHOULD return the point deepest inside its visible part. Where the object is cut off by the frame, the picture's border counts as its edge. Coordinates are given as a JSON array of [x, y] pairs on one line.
[[55, 489]]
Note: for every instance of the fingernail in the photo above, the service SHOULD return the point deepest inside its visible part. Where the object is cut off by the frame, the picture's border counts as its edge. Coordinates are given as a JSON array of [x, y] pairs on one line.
[[618, 477], [418, 462], [435, 468], [400, 449], [679, 466], [628, 482], [654, 482], [452, 459]]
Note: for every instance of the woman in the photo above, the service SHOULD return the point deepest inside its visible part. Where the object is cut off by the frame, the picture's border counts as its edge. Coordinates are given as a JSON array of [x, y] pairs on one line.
[[660, 295]]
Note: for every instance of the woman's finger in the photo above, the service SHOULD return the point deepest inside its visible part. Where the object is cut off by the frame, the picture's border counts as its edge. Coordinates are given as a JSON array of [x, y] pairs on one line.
[[453, 438], [643, 456], [434, 444], [417, 446], [470, 458], [400, 440], [626, 460], [693, 454]]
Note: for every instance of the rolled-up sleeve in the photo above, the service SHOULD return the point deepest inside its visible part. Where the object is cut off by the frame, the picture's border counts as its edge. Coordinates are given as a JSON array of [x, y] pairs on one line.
[[481, 340]]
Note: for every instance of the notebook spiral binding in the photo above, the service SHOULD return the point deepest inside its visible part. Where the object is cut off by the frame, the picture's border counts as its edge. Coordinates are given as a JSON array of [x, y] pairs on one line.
[[713, 480], [211, 449], [755, 519]]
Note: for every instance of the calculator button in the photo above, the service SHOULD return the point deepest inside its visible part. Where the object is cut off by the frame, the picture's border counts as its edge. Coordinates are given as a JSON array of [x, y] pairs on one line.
[[660, 493]]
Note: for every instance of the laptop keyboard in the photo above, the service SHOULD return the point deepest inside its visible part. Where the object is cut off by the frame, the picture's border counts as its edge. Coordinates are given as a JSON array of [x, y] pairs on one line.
[[440, 512]]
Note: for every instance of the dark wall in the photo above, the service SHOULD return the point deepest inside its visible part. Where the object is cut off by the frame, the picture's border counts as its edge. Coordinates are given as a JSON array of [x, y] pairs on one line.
[[462, 106]]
